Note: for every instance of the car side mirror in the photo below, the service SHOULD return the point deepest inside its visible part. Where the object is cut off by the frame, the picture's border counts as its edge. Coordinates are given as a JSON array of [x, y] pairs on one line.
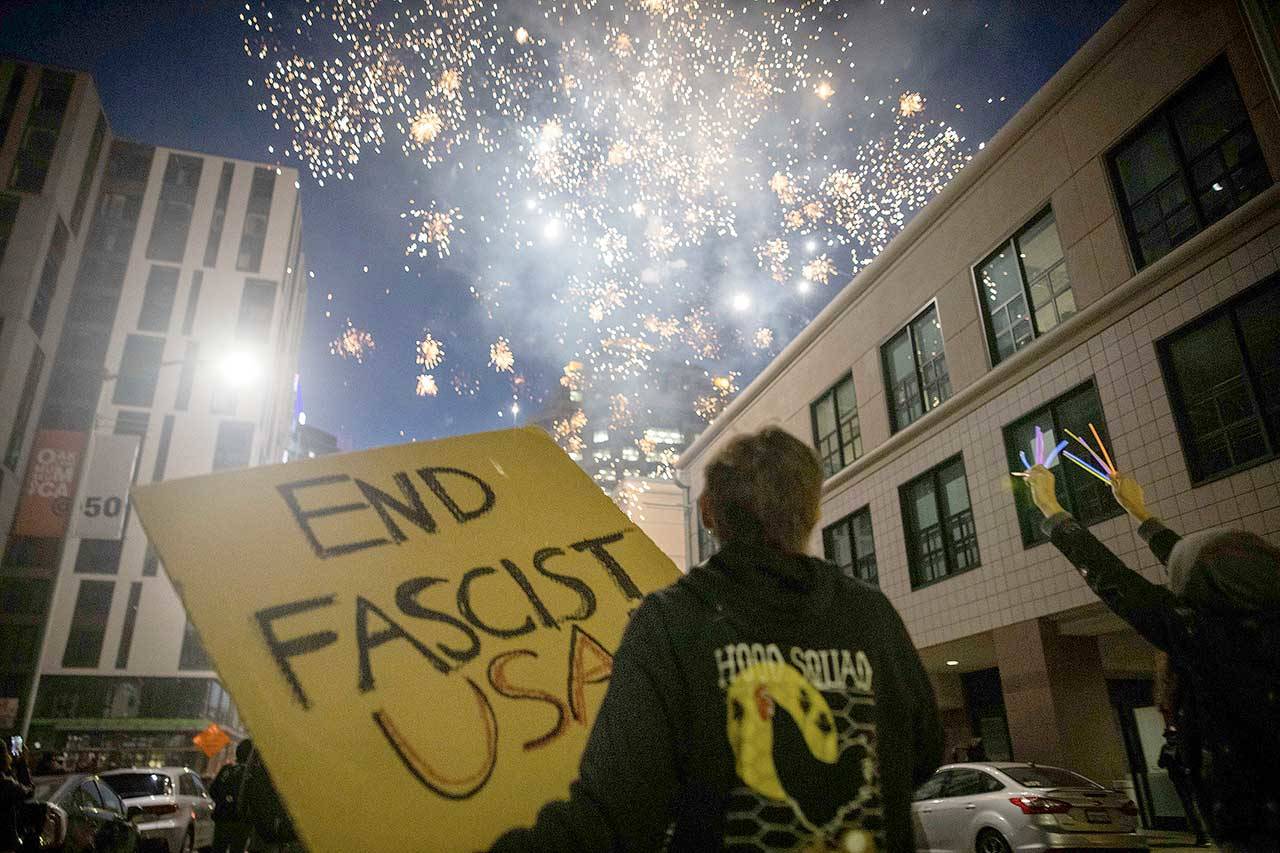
[[134, 812]]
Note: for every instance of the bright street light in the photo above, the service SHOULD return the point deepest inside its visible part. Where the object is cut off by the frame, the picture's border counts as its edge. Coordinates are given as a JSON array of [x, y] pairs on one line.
[[741, 301], [239, 368]]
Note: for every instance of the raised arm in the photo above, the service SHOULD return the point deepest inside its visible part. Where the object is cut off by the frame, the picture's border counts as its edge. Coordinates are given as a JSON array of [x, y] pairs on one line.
[[1150, 608], [624, 797]]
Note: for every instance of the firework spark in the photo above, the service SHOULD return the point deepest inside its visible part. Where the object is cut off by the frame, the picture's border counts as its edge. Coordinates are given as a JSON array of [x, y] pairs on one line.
[[426, 386], [353, 343], [501, 359], [430, 352]]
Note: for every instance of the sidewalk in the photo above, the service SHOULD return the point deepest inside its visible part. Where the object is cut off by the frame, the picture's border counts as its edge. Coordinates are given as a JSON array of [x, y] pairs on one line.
[[1173, 842]]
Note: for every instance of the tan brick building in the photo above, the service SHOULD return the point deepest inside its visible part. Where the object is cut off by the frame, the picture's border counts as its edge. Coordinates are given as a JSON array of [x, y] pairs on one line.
[[1110, 257]]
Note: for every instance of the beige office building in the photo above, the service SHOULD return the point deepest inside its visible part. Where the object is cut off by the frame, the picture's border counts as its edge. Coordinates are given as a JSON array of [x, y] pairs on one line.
[[174, 318], [1109, 258]]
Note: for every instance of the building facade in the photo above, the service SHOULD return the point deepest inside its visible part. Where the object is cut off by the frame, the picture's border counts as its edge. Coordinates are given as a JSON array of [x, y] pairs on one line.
[[174, 319], [1111, 259]]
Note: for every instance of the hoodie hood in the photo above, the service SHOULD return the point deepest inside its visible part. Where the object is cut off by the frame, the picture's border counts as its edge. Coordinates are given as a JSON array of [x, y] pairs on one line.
[[1226, 569], [760, 579]]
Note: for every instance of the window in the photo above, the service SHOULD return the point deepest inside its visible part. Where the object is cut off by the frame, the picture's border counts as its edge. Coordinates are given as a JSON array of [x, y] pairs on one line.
[[187, 376], [223, 400], [49, 277], [88, 624], [600, 436], [235, 440], [938, 522], [219, 215], [256, 305], [40, 136], [139, 371], [18, 647], [87, 795], [185, 788], [630, 454], [1080, 493], [915, 369], [18, 435], [835, 427], [1028, 270], [1223, 375], [707, 544], [86, 174], [150, 562], [110, 800], [98, 556], [130, 622], [664, 436], [193, 299], [11, 77], [157, 301], [162, 449], [1048, 777], [970, 783], [193, 655], [933, 789], [850, 544], [254, 236], [173, 211], [1193, 162], [24, 596], [8, 219]]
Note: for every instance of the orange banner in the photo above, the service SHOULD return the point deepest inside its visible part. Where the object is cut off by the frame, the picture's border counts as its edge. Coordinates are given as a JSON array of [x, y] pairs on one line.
[[50, 487]]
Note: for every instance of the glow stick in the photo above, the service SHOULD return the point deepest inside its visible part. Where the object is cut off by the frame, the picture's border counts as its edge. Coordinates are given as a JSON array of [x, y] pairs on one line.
[[1086, 466], [1039, 451], [1086, 446], [1111, 466], [1053, 455], [1022, 454]]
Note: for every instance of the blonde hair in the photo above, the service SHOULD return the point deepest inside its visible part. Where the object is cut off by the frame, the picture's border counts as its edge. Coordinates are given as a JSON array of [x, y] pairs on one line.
[[764, 487]]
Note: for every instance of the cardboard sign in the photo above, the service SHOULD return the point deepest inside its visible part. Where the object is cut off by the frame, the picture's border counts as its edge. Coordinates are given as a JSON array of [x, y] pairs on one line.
[[50, 484], [212, 740], [104, 489], [417, 637]]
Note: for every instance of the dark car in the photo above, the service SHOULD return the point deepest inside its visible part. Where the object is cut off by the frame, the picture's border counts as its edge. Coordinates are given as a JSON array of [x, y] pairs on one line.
[[77, 813]]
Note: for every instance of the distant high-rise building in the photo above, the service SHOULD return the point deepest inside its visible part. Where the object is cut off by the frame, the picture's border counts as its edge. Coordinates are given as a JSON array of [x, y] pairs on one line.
[[145, 293]]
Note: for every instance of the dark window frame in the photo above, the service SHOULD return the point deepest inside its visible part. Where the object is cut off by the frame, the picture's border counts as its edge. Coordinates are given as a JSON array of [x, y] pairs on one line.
[[944, 378], [859, 568], [26, 402], [1177, 398], [32, 160], [1162, 115], [1070, 480], [217, 222], [159, 297], [841, 421], [54, 258], [88, 627], [92, 156], [126, 380], [175, 208], [1013, 244], [911, 527]]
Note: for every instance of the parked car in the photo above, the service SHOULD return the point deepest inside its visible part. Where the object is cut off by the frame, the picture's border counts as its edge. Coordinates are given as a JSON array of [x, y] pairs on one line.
[[174, 811], [77, 813], [998, 807]]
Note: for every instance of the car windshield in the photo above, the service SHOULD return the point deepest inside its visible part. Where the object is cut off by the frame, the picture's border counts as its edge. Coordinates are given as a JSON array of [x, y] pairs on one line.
[[139, 784], [1047, 777]]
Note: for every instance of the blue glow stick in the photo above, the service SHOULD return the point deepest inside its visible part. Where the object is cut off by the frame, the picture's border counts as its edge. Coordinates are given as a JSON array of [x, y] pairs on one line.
[[1022, 454], [1086, 466], [1048, 462]]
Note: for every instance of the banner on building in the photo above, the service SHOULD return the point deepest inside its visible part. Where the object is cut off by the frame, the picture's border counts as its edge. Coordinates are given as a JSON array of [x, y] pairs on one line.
[[47, 492], [104, 488], [426, 628]]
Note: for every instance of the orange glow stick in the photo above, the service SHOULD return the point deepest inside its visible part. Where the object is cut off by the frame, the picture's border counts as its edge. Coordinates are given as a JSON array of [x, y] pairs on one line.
[[1111, 466], [1086, 446]]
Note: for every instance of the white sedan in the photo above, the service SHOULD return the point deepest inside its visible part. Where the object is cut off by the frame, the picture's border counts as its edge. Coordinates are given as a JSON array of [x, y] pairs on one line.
[[1000, 807]]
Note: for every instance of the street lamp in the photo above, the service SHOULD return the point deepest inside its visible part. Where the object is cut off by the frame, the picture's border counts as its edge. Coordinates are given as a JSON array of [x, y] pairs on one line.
[[238, 368]]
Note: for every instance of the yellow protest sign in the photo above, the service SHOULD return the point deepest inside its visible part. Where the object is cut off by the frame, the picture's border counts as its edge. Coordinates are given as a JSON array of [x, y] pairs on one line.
[[418, 636]]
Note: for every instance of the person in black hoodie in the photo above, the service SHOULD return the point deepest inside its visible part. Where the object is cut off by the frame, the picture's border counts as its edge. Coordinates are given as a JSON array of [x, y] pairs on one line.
[[1219, 623], [230, 829], [15, 788], [762, 702]]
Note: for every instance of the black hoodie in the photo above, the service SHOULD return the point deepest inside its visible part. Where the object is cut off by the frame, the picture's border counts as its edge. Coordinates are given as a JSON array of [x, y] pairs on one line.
[[762, 702]]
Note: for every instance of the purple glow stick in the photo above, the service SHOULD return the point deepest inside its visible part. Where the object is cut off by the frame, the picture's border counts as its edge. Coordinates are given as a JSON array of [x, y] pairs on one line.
[[1039, 451], [1053, 455]]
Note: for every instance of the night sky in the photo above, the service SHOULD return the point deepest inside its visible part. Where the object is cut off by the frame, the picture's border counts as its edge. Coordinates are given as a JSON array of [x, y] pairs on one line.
[[175, 73]]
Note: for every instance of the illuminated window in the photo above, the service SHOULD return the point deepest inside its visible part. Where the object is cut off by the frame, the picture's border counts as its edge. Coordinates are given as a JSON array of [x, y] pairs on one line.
[[915, 369], [600, 436]]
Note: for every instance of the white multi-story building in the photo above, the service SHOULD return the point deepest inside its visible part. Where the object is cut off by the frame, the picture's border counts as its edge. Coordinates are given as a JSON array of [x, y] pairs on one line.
[[180, 315], [1110, 258]]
